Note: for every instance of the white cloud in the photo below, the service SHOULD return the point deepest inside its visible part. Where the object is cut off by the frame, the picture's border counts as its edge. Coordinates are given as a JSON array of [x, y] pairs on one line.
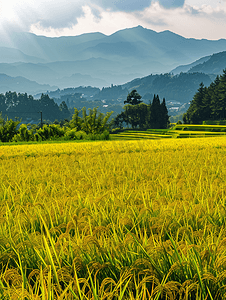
[[199, 3], [64, 13], [198, 22], [195, 18], [107, 23], [49, 13]]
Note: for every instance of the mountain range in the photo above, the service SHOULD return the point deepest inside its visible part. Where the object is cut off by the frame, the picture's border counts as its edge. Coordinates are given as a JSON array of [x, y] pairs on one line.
[[99, 60], [22, 85]]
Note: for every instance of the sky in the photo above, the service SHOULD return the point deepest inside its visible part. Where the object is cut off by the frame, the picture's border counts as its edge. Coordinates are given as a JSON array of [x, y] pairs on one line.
[[189, 18]]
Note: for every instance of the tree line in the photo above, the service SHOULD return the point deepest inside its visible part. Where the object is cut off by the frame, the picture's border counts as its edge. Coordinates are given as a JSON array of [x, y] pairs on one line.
[[83, 125], [22, 106], [209, 103], [139, 115], [92, 125]]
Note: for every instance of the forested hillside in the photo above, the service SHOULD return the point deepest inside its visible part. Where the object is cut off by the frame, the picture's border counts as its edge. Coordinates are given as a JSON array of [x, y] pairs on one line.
[[26, 108], [209, 103], [214, 65], [180, 87]]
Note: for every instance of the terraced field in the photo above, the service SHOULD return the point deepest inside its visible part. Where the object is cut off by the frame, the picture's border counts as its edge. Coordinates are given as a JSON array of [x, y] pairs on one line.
[[137, 135], [179, 131]]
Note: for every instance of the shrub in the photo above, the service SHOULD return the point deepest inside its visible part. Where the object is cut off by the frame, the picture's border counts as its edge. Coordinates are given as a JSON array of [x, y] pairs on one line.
[[37, 137], [48, 132], [73, 134], [23, 134], [8, 130], [81, 135]]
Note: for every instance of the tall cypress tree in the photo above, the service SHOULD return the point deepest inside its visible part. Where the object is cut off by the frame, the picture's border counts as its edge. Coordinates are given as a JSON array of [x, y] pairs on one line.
[[155, 113], [164, 121]]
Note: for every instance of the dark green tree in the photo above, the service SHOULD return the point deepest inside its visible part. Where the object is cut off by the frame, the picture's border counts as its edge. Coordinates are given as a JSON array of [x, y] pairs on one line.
[[219, 98], [118, 121], [143, 116], [164, 117], [208, 103], [194, 114], [136, 115], [11, 99], [210, 100], [64, 110], [3, 105], [154, 119], [133, 98]]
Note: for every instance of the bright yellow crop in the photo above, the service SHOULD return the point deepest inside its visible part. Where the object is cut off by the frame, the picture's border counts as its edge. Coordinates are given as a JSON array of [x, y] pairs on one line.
[[127, 219]]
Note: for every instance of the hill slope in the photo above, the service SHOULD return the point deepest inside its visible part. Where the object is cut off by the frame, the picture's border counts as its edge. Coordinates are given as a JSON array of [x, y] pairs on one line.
[[214, 65]]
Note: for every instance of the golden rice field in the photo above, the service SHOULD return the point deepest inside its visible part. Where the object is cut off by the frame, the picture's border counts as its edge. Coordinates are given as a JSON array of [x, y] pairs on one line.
[[114, 220]]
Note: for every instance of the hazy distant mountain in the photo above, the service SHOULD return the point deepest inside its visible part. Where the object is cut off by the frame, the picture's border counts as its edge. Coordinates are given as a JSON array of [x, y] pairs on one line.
[[10, 55], [36, 72], [22, 85], [101, 59], [186, 68], [165, 47], [94, 71], [80, 80], [50, 49]]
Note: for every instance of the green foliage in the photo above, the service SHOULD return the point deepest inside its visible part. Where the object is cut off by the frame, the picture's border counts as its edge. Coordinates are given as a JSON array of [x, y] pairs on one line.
[[164, 123], [24, 106], [136, 115], [175, 119], [155, 115], [133, 98], [92, 123], [101, 136], [73, 134], [93, 126], [23, 134], [180, 87], [208, 103], [76, 122], [37, 137], [195, 111], [8, 129], [50, 132], [143, 116], [2, 121], [63, 107]]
